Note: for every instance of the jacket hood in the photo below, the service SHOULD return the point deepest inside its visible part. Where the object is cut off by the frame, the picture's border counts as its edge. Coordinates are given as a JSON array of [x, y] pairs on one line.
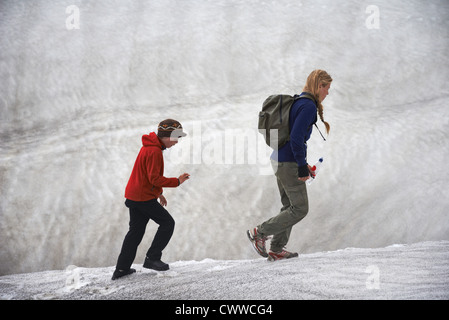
[[152, 140]]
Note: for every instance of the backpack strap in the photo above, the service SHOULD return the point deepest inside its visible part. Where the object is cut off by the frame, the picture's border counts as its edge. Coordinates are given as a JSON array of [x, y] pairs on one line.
[[311, 97], [308, 96], [320, 132]]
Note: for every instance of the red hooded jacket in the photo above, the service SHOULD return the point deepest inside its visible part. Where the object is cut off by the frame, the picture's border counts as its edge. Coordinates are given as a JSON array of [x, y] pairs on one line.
[[147, 177]]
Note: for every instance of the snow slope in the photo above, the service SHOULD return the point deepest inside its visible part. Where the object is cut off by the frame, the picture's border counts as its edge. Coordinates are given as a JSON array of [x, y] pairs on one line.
[[417, 271], [75, 102]]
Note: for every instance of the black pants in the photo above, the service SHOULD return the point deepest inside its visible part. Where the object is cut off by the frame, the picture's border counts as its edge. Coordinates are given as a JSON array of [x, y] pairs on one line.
[[140, 213]]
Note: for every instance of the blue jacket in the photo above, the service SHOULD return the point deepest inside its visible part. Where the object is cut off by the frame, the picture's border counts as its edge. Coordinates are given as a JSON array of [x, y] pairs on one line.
[[303, 115]]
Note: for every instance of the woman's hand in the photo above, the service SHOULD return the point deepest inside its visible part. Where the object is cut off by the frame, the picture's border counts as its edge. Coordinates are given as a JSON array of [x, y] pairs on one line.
[[312, 174], [305, 169], [312, 171]]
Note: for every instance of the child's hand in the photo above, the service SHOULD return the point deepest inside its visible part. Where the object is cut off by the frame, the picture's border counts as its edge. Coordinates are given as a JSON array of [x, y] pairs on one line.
[[162, 200], [183, 177]]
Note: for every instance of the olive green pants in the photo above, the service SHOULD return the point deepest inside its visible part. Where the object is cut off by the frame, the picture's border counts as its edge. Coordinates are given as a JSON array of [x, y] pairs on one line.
[[295, 205]]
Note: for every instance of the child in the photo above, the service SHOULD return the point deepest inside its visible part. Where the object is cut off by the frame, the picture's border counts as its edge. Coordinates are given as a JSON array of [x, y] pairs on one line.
[[142, 192]]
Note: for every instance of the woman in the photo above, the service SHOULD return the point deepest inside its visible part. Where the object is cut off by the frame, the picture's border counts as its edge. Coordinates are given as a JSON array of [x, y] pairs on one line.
[[292, 170]]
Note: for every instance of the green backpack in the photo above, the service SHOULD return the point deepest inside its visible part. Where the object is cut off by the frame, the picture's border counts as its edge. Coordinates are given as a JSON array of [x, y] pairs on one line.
[[274, 118]]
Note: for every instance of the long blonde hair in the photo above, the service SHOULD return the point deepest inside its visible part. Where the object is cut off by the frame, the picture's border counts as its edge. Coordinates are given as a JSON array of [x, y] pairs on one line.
[[314, 80]]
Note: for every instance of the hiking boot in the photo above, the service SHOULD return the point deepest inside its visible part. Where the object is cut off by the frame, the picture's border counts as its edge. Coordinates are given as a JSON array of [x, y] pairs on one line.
[[120, 273], [273, 256], [258, 241], [157, 265]]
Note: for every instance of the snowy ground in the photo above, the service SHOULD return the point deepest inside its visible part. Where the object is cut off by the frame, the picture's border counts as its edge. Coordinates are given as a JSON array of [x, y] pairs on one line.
[[416, 271]]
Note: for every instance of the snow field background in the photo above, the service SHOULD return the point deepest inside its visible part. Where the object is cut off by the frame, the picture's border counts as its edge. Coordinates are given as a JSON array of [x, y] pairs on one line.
[[75, 103]]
